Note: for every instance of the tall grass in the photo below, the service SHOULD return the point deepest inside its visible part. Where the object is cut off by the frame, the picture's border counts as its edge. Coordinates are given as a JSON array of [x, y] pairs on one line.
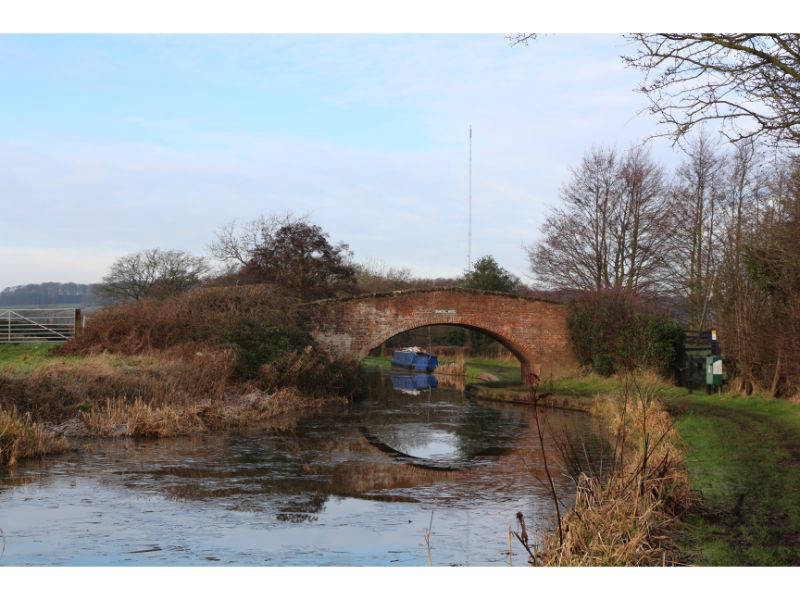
[[21, 438], [121, 418], [58, 390], [626, 513], [452, 365]]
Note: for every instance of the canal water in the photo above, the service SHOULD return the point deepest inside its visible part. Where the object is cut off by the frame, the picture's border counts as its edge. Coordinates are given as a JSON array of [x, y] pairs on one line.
[[347, 485]]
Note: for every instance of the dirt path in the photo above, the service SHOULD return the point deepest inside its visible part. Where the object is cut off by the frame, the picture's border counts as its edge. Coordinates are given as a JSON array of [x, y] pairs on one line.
[[743, 456]]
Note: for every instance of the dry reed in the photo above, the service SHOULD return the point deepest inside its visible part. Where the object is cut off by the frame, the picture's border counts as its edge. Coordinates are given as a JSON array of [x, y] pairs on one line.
[[120, 418], [61, 388], [452, 365], [21, 438], [627, 517]]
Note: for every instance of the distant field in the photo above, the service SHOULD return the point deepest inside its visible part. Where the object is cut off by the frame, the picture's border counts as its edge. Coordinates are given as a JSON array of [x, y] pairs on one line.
[[21, 306]]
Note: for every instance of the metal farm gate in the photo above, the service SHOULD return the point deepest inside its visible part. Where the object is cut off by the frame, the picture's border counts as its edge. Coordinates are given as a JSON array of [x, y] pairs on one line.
[[29, 325]]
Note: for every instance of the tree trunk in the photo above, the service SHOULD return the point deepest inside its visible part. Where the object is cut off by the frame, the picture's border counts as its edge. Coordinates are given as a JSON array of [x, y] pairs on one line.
[[776, 377]]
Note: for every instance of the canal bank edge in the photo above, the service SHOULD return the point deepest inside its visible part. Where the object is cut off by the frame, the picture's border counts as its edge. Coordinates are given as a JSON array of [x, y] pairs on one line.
[[522, 395]]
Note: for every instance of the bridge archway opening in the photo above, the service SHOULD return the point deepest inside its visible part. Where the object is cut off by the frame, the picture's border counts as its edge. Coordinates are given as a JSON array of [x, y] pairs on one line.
[[518, 353]]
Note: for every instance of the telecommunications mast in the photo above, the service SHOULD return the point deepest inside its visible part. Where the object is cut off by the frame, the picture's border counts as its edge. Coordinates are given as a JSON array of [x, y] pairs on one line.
[[469, 227]]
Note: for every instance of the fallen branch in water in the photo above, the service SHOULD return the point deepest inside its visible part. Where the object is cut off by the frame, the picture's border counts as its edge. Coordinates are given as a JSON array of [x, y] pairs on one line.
[[427, 535], [523, 538]]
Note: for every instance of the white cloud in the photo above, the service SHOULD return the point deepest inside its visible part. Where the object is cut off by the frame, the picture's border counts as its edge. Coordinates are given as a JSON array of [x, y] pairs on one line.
[[73, 206]]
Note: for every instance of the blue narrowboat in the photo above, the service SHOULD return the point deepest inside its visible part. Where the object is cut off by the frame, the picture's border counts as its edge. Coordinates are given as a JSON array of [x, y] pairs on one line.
[[415, 359]]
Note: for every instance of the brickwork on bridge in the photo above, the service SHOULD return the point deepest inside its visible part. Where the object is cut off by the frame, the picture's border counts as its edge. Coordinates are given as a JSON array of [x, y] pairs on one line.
[[534, 330]]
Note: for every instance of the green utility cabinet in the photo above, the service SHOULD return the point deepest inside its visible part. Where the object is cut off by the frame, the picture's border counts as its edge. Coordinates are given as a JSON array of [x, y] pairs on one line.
[[715, 375], [701, 349]]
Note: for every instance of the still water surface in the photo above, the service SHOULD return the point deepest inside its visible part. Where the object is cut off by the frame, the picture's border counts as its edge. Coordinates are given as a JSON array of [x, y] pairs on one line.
[[352, 485]]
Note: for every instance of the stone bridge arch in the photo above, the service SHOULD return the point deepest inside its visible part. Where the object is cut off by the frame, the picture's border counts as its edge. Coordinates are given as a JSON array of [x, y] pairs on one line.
[[533, 329]]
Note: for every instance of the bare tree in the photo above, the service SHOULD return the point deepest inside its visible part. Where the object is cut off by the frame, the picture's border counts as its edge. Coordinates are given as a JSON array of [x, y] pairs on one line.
[[740, 304], [575, 250], [698, 194], [644, 229], [613, 228], [289, 252], [750, 83], [375, 276], [759, 299], [235, 243], [153, 272]]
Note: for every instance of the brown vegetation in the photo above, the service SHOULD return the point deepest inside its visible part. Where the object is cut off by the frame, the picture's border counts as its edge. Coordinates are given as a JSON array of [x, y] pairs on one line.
[[211, 358], [59, 389], [202, 315], [452, 365], [115, 418], [20, 438], [627, 516]]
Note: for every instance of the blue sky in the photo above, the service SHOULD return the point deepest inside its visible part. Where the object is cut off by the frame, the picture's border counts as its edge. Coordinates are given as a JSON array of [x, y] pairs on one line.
[[111, 144]]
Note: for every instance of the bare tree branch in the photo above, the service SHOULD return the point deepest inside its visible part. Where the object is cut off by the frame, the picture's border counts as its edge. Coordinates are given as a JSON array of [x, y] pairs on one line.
[[749, 83]]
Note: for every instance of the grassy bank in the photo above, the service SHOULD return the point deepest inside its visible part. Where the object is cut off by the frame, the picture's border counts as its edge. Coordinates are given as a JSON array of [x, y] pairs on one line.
[[743, 461], [24, 357], [152, 394]]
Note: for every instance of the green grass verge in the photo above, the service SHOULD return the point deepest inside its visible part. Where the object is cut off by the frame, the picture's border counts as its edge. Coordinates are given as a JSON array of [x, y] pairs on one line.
[[377, 361], [506, 370], [26, 356]]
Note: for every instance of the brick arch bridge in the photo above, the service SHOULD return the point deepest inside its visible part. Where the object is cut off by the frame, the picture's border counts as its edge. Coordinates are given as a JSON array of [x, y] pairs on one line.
[[534, 330]]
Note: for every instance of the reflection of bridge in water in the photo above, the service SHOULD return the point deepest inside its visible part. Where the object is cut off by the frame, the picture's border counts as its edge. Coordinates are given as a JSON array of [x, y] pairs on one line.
[[388, 448]]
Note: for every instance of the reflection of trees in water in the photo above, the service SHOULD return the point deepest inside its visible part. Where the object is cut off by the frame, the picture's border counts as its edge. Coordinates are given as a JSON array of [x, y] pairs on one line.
[[351, 467]]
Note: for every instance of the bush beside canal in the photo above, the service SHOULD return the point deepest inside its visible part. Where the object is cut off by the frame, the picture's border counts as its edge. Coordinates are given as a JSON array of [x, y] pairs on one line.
[[613, 331]]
